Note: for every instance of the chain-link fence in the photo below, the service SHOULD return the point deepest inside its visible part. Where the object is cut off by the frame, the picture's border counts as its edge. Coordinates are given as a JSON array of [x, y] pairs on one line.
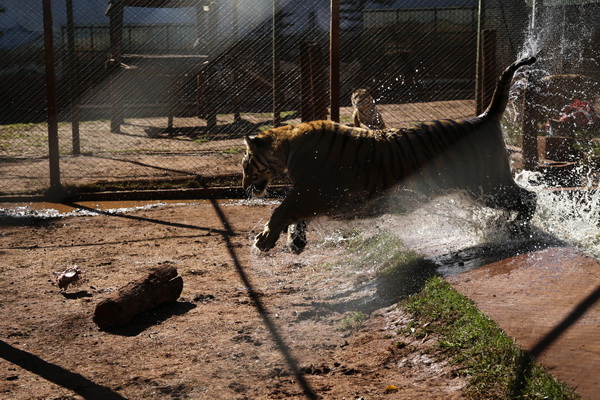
[[159, 93]]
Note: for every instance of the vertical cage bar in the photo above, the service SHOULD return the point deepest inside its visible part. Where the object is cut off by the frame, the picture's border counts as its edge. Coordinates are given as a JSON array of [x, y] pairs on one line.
[[276, 66], [334, 61], [53, 151]]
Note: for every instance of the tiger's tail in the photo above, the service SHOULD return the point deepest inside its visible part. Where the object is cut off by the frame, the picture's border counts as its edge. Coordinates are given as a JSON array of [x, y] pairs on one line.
[[500, 98]]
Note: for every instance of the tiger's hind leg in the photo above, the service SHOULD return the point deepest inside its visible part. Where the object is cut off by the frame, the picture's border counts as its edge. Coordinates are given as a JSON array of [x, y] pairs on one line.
[[296, 236], [514, 198]]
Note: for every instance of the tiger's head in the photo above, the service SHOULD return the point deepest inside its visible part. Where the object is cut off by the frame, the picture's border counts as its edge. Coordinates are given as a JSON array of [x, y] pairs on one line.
[[259, 166], [361, 98]]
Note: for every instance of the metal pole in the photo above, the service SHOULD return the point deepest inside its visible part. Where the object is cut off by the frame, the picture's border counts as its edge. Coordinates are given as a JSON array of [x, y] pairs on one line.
[[479, 106], [116, 15], [334, 61], [72, 78], [53, 151], [211, 109], [276, 70], [234, 33]]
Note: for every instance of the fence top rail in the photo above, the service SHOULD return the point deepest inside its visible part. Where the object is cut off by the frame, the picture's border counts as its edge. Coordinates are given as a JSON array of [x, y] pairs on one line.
[[136, 25], [160, 3], [419, 9]]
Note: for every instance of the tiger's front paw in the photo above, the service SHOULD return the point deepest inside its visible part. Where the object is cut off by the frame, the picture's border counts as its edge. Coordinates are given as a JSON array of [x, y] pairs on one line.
[[265, 240]]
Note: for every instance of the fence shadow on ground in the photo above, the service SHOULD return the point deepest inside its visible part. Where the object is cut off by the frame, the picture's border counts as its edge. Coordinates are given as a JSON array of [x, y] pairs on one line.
[[53, 373], [525, 363]]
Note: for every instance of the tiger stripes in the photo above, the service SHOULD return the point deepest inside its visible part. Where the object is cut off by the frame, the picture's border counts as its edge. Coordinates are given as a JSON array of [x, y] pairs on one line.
[[335, 167]]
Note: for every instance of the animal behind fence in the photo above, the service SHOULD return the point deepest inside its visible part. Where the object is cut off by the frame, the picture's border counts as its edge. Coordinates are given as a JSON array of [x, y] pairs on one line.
[[365, 113]]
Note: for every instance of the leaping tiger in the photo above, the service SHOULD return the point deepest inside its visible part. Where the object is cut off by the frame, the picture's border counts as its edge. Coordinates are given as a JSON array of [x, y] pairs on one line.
[[332, 166]]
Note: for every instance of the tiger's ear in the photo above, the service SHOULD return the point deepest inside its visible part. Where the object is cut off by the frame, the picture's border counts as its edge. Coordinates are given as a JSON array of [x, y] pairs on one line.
[[249, 138], [253, 141]]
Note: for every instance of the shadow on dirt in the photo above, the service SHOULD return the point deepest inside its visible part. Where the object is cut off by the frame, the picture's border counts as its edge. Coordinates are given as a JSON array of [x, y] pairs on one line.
[[25, 220], [153, 317], [56, 374], [385, 290], [76, 295]]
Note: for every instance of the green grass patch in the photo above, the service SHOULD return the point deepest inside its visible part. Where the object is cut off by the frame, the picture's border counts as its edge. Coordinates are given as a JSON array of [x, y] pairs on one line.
[[183, 183], [346, 119], [234, 150], [398, 271], [22, 135], [496, 367], [266, 127], [353, 320]]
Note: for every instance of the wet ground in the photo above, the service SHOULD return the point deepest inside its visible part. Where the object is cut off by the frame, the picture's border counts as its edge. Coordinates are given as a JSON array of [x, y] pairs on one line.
[[548, 300]]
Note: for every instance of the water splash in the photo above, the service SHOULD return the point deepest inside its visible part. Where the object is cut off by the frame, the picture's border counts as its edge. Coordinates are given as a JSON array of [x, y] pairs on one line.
[[570, 215], [563, 37]]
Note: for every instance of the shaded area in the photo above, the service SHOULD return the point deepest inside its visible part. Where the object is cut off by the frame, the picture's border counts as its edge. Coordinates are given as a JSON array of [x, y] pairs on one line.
[[56, 374], [388, 288], [525, 364], [153, 317], [154, 221]]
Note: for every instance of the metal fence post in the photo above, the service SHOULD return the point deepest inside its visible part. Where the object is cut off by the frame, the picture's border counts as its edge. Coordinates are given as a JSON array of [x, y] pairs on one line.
[[487, 79], [313, 87], [479, 106], [53, 152], [73, 78], [276, 63], [334, 61]]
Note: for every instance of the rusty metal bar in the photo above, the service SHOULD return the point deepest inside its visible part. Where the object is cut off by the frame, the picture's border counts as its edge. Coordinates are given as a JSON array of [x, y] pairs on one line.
[[313, 83], [489, 70], [73, 79], [53, 151], [276, 63], [116, 15], [479, 107], [334, 61]]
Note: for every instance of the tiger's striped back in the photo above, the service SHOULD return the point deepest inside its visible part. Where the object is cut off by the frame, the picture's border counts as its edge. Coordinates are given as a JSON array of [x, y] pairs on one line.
[[348, 163]]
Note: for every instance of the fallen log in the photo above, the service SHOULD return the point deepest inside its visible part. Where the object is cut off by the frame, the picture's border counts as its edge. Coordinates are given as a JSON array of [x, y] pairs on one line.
[[161, 285]]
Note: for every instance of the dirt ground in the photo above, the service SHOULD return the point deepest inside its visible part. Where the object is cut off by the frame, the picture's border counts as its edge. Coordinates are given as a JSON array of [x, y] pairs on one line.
[[247, 325]]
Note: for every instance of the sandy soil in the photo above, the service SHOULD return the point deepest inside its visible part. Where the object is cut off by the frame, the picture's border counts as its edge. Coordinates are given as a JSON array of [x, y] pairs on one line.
[[247, 325]]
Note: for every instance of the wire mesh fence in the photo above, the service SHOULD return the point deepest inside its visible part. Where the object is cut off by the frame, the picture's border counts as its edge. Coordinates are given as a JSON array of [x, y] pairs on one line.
[[161, 92]]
